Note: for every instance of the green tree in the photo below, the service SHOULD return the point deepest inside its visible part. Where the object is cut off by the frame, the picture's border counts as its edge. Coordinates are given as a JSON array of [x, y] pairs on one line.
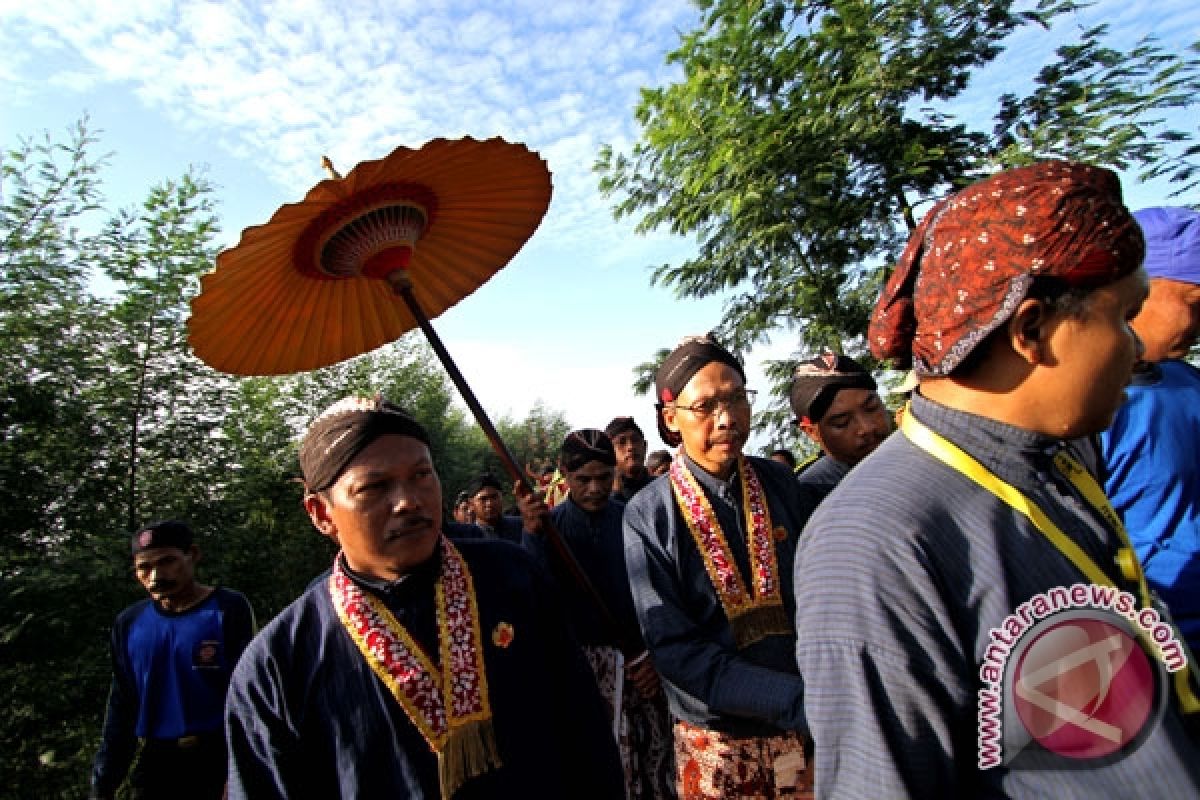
[[267, 547], [161, 403], [52, 531], [107, 420], [644, 373], [46, 338], [804, 136]]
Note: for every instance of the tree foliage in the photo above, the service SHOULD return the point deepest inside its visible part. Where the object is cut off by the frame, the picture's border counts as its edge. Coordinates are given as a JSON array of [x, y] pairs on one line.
[[804, 137], [108, 420]]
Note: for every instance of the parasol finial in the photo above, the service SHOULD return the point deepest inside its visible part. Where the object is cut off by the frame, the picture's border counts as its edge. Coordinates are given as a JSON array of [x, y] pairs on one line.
[[328, 165]]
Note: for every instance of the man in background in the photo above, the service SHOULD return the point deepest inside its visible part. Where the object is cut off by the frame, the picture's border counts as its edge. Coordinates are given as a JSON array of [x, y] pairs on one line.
[[837, 406], [173, 654], [629, 443], [589, 521], [1150, 452], [487, 504]]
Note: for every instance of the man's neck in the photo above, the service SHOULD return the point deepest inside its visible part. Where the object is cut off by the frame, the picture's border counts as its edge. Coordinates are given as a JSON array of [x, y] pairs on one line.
[[185, 600], [724, 473], [596, 513], [1011, 407]]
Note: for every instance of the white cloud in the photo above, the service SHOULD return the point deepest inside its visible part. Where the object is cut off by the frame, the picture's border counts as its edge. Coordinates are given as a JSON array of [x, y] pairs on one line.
[[277, 84], [294, 80]]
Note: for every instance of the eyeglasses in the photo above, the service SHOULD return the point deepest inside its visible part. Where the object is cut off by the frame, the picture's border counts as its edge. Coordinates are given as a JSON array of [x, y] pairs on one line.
[[737, 400]]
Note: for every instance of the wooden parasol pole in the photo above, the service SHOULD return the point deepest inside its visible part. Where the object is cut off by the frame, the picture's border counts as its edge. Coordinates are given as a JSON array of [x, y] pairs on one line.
[[402, 285]]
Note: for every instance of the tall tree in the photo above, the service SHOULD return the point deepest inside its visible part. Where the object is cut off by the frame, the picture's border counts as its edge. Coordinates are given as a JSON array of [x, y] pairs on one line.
[[52, 531], [163, 404], [47, 189], [804, 137], [107, 419]]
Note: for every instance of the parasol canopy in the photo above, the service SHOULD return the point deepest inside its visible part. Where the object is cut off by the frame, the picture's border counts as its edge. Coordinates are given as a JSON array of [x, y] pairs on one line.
[[317, 283]]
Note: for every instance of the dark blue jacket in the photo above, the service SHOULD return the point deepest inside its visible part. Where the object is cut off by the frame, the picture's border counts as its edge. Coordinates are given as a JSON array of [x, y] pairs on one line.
[[307, 717]]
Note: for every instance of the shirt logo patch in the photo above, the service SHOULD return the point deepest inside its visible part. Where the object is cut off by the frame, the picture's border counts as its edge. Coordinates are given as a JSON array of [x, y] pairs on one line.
[[502, 636], [207, 655]]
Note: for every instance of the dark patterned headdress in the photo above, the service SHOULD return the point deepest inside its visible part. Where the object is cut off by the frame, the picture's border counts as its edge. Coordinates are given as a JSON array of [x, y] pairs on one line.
[[584, 446], [975, 255], [344, 430], [168, 533], [816, 382], [692, 355]]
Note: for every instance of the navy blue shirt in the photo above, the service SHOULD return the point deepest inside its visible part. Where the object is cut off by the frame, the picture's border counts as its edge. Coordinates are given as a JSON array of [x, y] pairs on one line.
[[596, 542], [821, 477], [307, 716], [631, 485], [507, 528], [756, 691]]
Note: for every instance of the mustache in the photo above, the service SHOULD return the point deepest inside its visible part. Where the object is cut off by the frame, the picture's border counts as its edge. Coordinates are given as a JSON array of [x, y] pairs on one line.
[[162, 586], [411, 523]]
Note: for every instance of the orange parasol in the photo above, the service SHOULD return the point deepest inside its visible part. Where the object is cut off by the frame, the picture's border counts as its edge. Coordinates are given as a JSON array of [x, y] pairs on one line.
[[311, 287], [366, 258]]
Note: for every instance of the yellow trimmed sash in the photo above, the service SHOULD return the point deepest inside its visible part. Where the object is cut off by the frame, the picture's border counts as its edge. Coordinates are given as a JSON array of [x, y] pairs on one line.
[[449, 706], [753, 613]]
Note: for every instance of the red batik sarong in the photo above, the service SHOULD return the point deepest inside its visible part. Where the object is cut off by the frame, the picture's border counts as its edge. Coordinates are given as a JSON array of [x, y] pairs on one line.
[[713, 766]]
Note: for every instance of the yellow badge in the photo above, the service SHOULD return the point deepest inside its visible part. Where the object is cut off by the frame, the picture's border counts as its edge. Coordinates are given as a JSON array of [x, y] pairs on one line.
[[780, 533], [502, 636]]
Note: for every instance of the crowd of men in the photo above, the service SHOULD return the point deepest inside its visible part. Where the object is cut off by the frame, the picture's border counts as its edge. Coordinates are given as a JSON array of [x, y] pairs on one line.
[[876, 622]]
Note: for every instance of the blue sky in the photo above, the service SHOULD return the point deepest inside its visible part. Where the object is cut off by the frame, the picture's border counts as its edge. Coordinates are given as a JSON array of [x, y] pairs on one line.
[[254, 93]]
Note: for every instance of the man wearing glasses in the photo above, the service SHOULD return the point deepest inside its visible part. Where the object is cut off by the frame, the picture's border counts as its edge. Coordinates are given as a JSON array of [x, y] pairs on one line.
[[709, 554]]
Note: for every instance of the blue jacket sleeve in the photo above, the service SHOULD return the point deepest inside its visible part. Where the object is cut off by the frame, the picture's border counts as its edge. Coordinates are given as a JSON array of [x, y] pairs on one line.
[[262, 741], [118, 741], [238, 622]]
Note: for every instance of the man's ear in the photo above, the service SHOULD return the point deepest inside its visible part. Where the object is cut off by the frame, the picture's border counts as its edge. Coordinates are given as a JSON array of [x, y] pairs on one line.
[[194, 553], [668, 416], [810, 429], [1029, 331], [318, 512]]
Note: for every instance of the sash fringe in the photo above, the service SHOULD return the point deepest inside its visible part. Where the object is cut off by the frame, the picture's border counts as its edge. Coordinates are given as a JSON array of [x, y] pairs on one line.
[[470, 750], [757, 623]]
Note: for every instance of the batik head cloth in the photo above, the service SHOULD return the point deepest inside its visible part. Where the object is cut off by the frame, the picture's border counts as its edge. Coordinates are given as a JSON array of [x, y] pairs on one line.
[[817, 381], [692, 355], [974, 256], [621, 425], [584, 446], [344, 430]]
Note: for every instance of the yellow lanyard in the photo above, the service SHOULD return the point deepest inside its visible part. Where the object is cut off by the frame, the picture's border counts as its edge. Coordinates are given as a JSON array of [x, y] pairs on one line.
[[952, 456]]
